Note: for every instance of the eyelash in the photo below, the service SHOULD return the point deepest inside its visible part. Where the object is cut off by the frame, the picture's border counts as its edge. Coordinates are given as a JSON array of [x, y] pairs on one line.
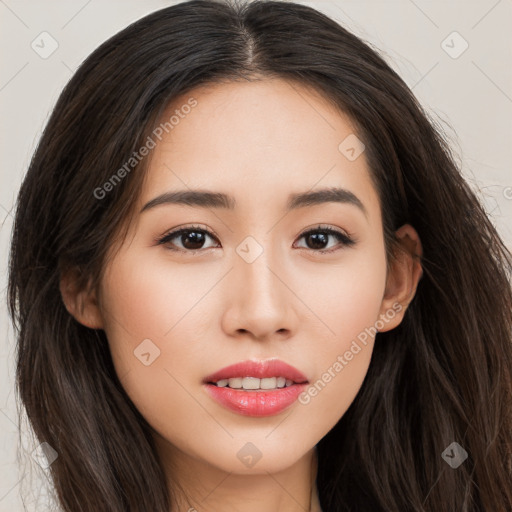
[[346, 240]]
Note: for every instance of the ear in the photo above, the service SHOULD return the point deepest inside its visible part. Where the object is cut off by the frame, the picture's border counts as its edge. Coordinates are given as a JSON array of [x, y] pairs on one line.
[[80, 302], [403, 277]]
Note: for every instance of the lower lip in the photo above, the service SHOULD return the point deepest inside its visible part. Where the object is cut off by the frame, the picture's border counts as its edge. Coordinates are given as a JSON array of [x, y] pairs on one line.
[[255, 403]]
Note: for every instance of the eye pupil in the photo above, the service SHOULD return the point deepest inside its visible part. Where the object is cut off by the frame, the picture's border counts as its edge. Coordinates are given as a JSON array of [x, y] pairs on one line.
[[196, 237], [318, 237]]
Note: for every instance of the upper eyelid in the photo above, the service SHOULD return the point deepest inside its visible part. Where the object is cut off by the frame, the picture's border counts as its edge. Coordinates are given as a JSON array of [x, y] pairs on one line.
[[177, 231], [319, 227]]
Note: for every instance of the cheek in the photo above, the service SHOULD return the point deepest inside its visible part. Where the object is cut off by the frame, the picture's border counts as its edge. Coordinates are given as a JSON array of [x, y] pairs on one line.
[[151, 320], [143, 299], [348, 304], [347, 298]]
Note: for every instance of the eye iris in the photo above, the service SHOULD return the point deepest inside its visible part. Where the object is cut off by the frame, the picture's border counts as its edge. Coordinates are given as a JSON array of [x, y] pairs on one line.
[[196, 237], [318, 237]]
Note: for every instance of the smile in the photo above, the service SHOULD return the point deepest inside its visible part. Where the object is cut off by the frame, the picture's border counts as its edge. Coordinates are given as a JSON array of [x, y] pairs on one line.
[[256, 388]]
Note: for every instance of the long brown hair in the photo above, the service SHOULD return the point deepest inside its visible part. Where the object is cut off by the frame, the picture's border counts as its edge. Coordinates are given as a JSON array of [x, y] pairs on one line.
[[442, 376]]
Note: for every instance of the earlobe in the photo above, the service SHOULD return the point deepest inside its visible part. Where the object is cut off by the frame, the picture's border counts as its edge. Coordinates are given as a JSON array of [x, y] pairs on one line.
[[81, 303], [404, 275]]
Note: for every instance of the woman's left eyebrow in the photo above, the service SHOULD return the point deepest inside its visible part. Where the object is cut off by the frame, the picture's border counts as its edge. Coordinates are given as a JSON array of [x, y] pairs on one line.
[[209, 199]]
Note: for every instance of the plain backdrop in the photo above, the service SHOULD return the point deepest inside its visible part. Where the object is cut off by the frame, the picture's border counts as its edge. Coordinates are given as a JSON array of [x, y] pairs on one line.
[[455, 55]]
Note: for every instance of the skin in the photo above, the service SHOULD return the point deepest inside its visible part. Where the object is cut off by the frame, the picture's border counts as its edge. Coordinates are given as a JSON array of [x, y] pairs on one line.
[[259, 142]]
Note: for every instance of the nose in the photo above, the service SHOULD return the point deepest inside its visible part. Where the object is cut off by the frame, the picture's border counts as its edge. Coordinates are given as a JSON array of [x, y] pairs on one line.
[[259, 304]]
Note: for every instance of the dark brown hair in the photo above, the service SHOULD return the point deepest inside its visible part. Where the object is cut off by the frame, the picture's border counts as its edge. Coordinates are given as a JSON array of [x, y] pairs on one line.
[[443, 375]]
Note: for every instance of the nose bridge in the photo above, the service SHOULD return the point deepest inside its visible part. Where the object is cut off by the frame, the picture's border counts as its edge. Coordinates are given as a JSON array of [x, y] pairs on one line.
[[259, 297], [253, 264]]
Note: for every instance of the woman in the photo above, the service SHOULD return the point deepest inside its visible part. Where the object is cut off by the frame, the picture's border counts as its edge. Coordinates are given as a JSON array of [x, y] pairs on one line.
[[247, 274]]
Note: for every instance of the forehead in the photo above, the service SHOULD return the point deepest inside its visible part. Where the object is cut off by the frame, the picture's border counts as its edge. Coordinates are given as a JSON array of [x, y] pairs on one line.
[[255, 141]]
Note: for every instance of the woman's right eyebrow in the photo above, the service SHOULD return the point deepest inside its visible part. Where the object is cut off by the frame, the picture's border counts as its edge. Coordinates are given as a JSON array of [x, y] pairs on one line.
[[209, 199]]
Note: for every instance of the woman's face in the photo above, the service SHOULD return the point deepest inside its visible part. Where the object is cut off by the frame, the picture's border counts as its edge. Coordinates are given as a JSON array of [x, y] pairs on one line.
[[247, 283]]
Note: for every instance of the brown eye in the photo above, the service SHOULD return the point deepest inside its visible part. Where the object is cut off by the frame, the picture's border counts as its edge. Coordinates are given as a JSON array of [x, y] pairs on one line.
[[191, 239], [318, 238]]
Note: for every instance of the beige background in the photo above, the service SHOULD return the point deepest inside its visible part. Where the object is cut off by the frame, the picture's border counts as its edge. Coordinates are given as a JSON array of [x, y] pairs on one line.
[[471, 95]]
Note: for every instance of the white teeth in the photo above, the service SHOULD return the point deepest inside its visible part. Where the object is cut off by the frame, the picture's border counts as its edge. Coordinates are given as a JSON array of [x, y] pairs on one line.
[[268, 383], [235, 383], [253, 383]]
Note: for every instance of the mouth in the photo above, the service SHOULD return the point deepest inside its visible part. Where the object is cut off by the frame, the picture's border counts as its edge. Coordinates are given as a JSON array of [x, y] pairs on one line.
[[256, 388]]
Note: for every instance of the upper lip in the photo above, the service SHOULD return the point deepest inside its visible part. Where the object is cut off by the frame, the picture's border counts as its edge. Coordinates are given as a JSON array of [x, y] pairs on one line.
[[259, 369]]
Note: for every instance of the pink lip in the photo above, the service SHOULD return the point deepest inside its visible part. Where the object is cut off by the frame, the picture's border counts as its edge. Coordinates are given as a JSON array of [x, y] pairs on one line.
[[256, 403]]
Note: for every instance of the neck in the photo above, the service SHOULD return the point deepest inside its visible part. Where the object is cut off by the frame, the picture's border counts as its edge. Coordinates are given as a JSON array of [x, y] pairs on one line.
[[197, 486]]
